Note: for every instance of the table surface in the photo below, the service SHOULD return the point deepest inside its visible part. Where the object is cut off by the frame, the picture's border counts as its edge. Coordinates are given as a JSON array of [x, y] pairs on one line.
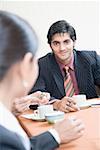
[[89, 141]]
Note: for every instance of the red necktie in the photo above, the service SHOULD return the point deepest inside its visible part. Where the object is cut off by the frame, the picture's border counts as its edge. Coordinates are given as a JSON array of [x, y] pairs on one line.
[[68, 84]]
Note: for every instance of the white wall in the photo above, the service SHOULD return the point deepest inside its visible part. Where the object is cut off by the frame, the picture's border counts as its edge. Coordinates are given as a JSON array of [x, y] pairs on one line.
[[83, 15]]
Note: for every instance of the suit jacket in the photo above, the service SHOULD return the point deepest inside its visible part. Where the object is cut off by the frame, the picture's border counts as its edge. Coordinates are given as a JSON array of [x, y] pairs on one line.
[[87, 72], [10, 141]]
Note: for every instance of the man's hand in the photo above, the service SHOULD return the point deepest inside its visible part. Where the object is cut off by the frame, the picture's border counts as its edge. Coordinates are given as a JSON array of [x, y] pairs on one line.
[[66, 104]]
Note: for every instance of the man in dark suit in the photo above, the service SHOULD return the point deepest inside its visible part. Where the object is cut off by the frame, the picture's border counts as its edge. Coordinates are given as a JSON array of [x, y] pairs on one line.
[[84, 67]]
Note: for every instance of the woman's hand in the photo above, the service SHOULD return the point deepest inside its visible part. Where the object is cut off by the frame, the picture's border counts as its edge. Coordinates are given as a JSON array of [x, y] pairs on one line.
[[22, 104], [42, 97], [70, 129]]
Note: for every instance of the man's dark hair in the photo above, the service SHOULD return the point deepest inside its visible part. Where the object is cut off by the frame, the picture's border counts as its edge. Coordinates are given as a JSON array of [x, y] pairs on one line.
[[61, 27]]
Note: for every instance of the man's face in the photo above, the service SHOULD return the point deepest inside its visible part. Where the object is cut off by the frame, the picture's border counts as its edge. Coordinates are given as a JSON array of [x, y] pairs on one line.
[[62, 46]]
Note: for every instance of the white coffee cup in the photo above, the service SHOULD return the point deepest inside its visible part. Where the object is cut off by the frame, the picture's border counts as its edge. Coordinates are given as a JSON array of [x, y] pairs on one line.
[[43, 109], [79, 99]]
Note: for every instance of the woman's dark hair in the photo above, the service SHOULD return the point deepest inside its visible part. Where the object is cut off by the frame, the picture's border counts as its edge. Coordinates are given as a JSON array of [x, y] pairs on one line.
[[61, 27], [16, 39]]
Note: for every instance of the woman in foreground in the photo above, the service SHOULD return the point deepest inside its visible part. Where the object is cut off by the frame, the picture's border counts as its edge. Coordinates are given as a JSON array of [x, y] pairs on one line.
[[18, 73]]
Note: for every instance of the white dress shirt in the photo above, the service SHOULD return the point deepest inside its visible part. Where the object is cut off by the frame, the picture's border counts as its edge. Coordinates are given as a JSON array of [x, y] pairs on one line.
[[9, 121]]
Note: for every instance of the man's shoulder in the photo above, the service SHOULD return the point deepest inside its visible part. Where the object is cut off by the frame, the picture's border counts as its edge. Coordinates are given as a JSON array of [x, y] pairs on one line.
[[86, 53], [89, 56], [46, 58]]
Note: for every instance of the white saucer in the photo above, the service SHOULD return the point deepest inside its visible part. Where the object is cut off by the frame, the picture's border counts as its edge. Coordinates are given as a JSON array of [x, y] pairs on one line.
[[33, 117]]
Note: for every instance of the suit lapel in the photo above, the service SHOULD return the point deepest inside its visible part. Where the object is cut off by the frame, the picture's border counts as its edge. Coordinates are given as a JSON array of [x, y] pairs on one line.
[[80, 72], [57, 75]]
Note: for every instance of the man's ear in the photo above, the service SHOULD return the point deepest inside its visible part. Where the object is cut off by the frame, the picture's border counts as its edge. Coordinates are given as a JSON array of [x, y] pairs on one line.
[[74, 42], [26, 65]]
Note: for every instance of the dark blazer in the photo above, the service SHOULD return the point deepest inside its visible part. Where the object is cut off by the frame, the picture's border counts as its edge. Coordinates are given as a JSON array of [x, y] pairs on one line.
[[10, 141], [87, 72]]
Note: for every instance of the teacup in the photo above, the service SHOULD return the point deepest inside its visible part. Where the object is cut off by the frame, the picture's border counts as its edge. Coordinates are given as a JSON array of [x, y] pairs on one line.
[[43, 109], [55, 116], [80, 99]]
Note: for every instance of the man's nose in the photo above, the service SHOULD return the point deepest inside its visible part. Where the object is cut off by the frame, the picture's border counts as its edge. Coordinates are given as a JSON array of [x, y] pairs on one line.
[[62, 46]]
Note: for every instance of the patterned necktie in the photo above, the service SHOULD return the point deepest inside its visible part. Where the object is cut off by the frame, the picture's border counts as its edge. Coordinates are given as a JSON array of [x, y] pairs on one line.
[[68, 84]]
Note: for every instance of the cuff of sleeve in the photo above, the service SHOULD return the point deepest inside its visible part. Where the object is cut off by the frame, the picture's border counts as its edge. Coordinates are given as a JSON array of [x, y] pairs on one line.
[[55, 135]]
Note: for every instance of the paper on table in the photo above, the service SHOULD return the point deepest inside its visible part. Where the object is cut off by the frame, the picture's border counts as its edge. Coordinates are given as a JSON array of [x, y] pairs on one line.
[[93, 102], [89, 103]]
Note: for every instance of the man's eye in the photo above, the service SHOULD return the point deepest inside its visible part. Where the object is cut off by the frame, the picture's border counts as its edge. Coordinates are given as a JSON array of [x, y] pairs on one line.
[[67, 41], [55, 43]]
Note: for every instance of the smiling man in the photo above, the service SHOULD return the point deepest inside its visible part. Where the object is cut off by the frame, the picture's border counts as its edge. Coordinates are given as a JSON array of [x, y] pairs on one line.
[[66, 72]]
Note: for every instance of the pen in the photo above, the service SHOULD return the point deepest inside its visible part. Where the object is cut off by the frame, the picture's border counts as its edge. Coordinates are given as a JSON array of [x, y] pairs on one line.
[[95, 105]]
